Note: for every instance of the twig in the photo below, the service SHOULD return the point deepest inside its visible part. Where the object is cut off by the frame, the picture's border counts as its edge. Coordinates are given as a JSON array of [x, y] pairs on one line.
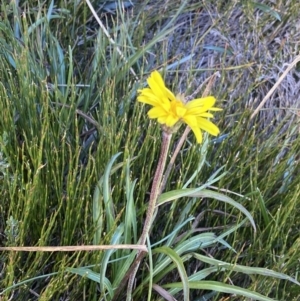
[[79, 112], [141, 248], [280, 79], [110, 38]]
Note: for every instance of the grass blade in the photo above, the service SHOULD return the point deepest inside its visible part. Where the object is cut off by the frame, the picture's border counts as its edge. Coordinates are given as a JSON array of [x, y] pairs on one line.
[[180, 267]]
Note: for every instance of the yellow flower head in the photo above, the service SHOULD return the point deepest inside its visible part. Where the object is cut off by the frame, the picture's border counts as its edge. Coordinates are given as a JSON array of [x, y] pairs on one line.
[[169, 109]]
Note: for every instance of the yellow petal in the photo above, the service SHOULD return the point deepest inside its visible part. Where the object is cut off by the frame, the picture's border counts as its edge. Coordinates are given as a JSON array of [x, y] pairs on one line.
[[206, 115], [191, 121], [208, 102], [158, 79], [156, 112], [165, 103], [197, 111], [157, 84], [197, 133], [169, 110], [147, 100], [169, 94], [171, 120], [146, 92], [180, 111], [208, 126]]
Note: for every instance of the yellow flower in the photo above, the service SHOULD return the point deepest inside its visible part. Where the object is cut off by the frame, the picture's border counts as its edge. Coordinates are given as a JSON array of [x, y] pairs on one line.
[[169, 109]]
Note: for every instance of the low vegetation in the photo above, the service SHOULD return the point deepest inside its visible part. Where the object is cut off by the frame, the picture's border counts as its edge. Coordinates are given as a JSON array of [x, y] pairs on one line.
[[78, 153]]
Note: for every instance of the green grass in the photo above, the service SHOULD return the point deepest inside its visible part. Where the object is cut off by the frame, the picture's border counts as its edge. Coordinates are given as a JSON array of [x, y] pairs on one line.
[[68, 104]]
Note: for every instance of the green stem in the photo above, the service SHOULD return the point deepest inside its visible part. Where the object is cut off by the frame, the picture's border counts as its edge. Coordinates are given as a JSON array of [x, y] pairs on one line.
[[155, 191]]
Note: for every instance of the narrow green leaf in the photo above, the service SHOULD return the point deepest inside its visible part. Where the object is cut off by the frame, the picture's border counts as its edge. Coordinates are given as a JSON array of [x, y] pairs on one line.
[[98, 212], [104, 263], [90, 274], [173, 233], [200, 275], [223, 198], [220, 287], [98, 198], [180, 267], [263, 208], [130, 232], [218, 49], [124, 268], [175, 194], [266, 9], [203, 193], [107, 198], [202, 240], [21, 283], [245, 269], [50, 10], [85, 272]]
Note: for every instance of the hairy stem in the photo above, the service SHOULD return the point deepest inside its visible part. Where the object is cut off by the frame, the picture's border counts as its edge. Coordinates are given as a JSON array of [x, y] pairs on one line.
[[155, 191]]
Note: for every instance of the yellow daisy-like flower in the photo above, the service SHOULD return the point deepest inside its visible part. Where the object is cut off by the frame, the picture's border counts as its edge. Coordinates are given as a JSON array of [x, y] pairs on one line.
[[169, 109]]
